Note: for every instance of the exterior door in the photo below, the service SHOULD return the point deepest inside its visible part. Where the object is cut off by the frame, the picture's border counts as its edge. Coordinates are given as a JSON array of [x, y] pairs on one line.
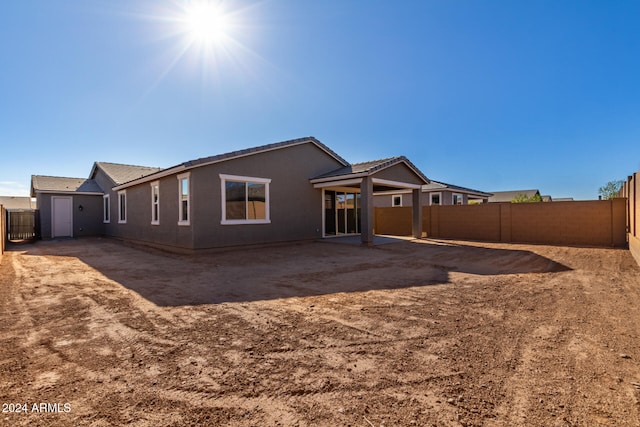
[[341, 213], [61, 217]]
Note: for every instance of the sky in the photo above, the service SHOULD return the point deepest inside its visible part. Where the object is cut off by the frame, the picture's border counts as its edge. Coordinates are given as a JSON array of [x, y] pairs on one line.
[[487, 94]]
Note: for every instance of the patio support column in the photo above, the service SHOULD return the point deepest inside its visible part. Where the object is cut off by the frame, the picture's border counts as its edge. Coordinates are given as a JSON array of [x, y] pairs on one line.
[[366, 211], [416, 226]]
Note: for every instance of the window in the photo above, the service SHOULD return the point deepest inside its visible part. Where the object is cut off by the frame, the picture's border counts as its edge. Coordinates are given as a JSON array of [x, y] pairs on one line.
[[106, 209], [245, 200], [396, 200], [184, 201], [122, 207], [434, 199], [457, 199], [155, 203]]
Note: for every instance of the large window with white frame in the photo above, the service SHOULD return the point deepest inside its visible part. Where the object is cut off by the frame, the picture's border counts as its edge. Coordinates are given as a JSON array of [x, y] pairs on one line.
[[184, 199], [155, 203], [122, 207], [396, 200], [245, 200], [106, 209], [435, 198]]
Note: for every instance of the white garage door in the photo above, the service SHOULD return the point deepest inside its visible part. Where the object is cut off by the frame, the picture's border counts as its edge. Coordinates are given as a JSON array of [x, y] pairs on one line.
[[61, 221]]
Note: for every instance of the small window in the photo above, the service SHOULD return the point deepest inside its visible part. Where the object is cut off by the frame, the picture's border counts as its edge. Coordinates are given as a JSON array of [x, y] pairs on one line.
[[155, 203], [457, 199], [106, 209], [396, 200], [184, 200], [122, 207], [245, 200], [434, 199]]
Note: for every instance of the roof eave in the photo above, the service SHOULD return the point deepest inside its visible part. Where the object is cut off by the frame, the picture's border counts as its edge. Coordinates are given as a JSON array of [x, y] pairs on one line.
[[78, 193], [338, 177], [187, 166], [152, 177]]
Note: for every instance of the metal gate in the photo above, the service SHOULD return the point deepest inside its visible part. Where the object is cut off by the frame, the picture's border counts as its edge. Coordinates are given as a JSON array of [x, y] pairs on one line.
[[22, 225]]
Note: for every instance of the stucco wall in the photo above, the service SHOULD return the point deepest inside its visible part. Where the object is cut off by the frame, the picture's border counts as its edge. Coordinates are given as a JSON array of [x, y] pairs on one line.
[[86, 222], [400, 173], [631, 190], [295, 206], [446, 198], [3, 230], [591, 223]]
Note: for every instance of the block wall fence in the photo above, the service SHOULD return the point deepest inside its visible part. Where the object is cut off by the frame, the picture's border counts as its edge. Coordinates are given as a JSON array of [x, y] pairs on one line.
[[587, 223], [630, 190]]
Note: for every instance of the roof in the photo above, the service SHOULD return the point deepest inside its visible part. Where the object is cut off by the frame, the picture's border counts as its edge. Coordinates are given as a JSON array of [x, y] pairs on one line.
[[438, 185], [16, 203], [547, 198], [369, 168], [262, 148], [120, 173], [232, 155], [507, 196], [57, 184]]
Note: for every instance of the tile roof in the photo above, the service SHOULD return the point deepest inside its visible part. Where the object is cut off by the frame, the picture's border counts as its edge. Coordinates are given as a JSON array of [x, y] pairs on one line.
[[261, 148], [507, 196], [120, 173], [63, 185], [240, 153], [364, 167], [371, 167], [438, 185]]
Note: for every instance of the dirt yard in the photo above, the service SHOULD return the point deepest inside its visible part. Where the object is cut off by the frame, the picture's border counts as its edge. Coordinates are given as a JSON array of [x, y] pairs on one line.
[[319, 334]]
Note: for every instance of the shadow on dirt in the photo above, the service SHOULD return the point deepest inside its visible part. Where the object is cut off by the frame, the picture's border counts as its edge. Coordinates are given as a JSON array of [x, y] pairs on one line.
[[286, 271]]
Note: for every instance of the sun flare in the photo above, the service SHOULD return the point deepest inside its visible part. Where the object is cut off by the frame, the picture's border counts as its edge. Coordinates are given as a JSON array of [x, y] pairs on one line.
[[206, 23]]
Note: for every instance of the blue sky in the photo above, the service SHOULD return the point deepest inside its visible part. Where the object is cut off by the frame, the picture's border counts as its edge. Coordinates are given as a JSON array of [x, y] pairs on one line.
[[492, 95]]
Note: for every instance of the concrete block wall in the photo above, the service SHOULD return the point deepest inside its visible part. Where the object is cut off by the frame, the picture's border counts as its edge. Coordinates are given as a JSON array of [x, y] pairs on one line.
[[463, 221], [394, 221], [589, 223]]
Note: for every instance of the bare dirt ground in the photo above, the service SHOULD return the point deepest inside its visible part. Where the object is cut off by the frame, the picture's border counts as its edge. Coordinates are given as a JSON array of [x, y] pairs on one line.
[[411, 333]]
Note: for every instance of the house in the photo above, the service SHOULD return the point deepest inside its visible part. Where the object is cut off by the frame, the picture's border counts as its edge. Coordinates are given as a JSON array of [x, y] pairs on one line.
[[434, 193], [508, 196], [292, 190], [20, 217], [546, 198], [17, 204]]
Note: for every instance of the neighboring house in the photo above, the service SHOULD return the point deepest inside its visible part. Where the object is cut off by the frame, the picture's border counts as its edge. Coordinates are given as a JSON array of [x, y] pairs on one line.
[[508, 196], [563, 199], [17, 204], [547, 198], [434, 193], [287, 191], [20, 218]]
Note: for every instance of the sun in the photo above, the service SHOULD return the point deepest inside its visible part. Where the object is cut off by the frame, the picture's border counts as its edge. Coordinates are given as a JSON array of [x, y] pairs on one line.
[[205, 23]]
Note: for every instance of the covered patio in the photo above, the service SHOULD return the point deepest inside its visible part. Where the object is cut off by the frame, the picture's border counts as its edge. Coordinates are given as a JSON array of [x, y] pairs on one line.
[[347, 195]]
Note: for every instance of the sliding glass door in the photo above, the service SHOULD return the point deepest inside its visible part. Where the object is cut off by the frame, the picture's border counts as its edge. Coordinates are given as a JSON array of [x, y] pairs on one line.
[[341, 213]]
